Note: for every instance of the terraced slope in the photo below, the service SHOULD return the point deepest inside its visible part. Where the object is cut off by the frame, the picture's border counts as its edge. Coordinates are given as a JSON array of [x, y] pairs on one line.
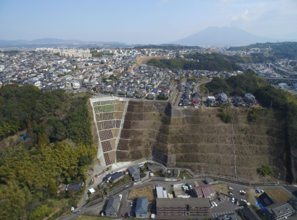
[[140, 131], [108, 116], [201, 141]]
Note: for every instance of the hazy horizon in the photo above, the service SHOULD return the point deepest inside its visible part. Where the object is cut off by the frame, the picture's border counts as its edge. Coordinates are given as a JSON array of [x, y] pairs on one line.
[[144, 22]]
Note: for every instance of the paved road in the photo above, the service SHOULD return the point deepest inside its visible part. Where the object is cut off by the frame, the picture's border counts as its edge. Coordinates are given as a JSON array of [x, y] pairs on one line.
[[223, 207]]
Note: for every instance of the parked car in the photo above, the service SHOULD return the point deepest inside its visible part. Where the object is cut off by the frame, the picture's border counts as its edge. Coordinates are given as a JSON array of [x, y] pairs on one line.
[[230, 188], [232, 200], [131, 203], [219, 198], [215, 203], [231, 193], [242, 192]]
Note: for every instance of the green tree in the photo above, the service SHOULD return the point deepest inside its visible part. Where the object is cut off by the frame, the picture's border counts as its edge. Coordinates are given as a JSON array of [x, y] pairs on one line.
[[265, 170], [41, 212]]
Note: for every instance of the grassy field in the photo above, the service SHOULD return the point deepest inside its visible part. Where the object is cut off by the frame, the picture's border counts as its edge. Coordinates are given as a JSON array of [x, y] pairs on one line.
[[221, 188], [146, 191], [278, 195]]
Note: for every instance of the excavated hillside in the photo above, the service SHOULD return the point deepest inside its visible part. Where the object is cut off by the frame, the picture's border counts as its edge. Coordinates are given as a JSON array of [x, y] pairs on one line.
[[201, 141]]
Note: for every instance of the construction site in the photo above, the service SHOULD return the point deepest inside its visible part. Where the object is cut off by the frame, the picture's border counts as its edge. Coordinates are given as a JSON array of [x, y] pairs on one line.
[[197, 139]]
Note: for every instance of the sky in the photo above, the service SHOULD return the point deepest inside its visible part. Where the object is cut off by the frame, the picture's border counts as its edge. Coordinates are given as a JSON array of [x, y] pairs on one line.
[[143, 21]]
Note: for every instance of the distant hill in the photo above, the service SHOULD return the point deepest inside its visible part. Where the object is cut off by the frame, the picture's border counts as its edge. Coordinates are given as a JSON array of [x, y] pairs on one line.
[[55, 41], [280, 50], [220, 36]]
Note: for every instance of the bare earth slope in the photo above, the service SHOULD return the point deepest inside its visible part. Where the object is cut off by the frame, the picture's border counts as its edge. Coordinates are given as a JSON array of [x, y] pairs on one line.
[[202, 142]]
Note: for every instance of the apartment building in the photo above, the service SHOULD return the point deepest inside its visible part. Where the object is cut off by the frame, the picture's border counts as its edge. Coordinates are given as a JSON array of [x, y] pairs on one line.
[[183, 207]]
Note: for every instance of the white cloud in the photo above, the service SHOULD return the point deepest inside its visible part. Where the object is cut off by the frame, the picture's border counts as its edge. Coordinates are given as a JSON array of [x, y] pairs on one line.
[[275, 19]]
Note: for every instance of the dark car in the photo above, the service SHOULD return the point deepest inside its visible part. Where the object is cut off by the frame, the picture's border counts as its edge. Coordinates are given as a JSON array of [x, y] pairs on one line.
[[219, 198]]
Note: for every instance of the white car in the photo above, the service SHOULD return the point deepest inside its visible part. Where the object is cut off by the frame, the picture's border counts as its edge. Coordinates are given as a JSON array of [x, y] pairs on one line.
[[242, 191], [232, 200], [131, 203], [212, 205], [215, 203]]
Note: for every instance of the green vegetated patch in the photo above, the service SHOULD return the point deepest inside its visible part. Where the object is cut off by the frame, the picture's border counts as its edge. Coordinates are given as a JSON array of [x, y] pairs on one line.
[[57, 149], [279, 50], [226, 117], [212, 61]]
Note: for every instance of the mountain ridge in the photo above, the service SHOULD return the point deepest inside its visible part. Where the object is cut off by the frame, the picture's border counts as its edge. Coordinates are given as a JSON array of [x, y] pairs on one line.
[[221, 36]]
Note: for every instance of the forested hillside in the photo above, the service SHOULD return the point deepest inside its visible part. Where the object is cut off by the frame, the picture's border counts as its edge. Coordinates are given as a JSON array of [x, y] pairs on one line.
[[56, 150], [213, 62], [238, 85], [279, 50], [166, 47]]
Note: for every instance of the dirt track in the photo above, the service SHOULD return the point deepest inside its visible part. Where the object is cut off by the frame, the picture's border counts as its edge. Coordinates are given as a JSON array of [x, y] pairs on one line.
[[142, 60]]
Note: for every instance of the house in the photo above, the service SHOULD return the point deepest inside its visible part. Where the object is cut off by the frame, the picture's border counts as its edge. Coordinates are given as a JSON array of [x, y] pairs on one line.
[[135, 173], [151, 95], [112, 206], [195, 101], [223, 98], [248, 213], [175, 172], [207, 191], [238, 101], [250, 99], [183, 207], [75, 186], [61, 187], [266, 200], [279, 211], [141, 207], [155, 168], [231, 216], [211, 100], [116, 177], [159, 192], [293, 202]]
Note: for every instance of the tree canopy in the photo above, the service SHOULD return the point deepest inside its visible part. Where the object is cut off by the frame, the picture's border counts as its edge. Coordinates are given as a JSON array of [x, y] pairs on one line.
[[213, 62], [57, 149]]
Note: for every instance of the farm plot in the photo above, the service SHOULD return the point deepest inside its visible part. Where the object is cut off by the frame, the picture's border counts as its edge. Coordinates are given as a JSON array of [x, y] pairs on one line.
[[148, 191], [118, 115], [112, 143], [104, 108], [115, 132], [106, 146], [105, 135], [111, 155], [119, 107], [123, 156], [107, 159], [123, 144]]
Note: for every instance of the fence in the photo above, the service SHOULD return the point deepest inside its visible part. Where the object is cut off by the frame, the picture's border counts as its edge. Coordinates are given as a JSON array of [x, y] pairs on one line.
[[93, 202], [120, 189], [164, 179]]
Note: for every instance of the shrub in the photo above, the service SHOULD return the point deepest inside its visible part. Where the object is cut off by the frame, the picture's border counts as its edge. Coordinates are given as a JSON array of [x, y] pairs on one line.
[[265, 170], [226, 117], [253, 116]]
